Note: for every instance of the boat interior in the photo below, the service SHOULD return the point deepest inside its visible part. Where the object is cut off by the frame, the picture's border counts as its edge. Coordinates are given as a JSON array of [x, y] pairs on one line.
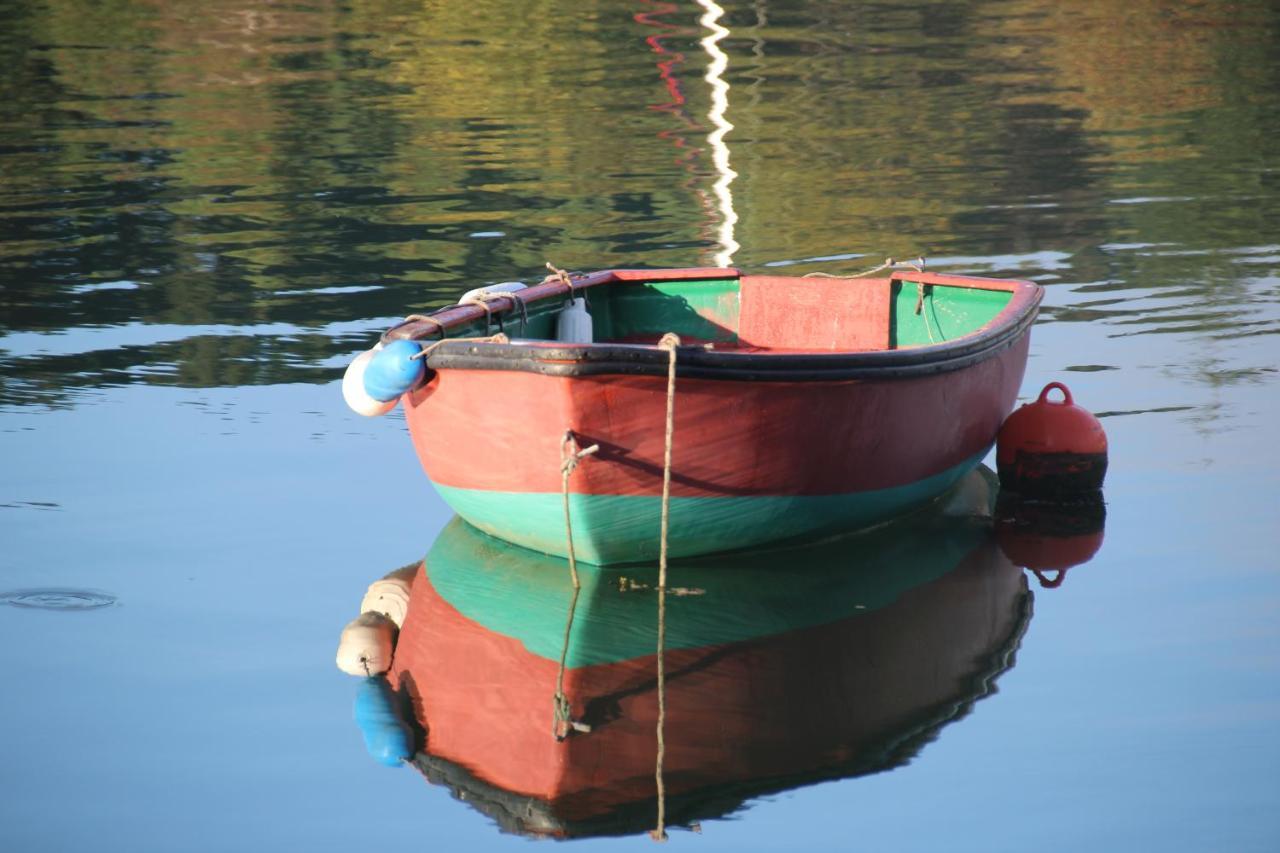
[[764, 313]]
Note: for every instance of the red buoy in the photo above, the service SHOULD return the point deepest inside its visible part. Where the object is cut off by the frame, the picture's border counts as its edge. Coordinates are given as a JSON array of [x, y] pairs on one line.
[[1051, 449]]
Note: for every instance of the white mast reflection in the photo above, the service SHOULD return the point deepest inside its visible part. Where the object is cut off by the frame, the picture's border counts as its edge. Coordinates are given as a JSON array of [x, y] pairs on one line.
[[719, 150]]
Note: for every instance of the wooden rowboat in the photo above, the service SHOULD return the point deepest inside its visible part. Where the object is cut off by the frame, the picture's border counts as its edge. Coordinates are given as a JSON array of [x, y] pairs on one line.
[[826, 661], [801, 404]]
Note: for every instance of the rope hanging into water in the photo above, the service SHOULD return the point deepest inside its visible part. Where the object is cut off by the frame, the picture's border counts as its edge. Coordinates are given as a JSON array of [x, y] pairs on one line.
[[669, 343], [570, 456]]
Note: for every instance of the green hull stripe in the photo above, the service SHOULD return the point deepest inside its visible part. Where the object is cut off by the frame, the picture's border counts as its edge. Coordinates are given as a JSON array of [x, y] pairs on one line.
[[525, 595], [612, 529]]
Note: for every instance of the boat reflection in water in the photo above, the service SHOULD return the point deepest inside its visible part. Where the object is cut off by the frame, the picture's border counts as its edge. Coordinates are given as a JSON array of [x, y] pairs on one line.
[[783, 668]]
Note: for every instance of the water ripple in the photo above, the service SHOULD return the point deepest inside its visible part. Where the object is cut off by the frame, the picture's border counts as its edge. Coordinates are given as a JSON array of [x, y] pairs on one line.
[[57, 598]]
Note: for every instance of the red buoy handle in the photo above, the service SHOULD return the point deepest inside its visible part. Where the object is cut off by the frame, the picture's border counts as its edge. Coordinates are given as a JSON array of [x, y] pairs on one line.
[[1066, 393], [1050, 583]]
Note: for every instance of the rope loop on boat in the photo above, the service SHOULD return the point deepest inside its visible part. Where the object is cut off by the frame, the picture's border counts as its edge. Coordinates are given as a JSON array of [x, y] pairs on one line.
[[670, 342], [559, 275], [889, 263], [920, 287], [426, 318], [566, 278], [426, 351], [484, 297], [570, 457]]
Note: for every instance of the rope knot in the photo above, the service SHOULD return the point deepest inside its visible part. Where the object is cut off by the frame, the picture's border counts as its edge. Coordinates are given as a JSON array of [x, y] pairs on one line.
[[669, 341], [566, 278], [559, 275], [570, 455], [563, 723]]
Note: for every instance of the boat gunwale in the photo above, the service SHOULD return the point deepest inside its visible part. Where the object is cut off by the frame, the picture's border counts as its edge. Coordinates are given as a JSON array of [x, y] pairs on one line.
[[697, 361]]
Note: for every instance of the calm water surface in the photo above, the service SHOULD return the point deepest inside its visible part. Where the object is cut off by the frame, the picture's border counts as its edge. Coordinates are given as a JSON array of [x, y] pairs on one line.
[[208, 209]]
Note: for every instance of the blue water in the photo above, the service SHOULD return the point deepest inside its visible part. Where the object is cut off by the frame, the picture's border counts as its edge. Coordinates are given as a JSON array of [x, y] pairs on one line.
[[206, 212]]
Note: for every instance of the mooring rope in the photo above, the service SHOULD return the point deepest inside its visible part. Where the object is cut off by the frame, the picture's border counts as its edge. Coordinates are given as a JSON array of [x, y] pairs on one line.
[[920, 295], [562, 720], [889, 263], [570, 456], [925, 317], [669, 343]]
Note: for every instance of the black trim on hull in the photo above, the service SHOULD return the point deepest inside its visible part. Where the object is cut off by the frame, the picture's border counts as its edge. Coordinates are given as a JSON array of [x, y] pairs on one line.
[[697, 362]]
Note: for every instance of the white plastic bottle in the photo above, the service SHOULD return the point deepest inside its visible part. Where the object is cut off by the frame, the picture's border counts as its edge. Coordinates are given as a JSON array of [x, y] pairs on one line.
[[573, 326]]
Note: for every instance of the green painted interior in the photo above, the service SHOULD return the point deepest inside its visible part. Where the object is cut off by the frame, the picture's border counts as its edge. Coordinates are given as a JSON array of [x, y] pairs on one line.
[[539, 322], [697, 310], [708, 311], [526, 595], [948, 313], [629, 311]]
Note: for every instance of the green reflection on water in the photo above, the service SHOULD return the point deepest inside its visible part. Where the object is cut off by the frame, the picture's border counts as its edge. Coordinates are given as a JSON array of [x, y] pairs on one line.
[[328, 167]]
